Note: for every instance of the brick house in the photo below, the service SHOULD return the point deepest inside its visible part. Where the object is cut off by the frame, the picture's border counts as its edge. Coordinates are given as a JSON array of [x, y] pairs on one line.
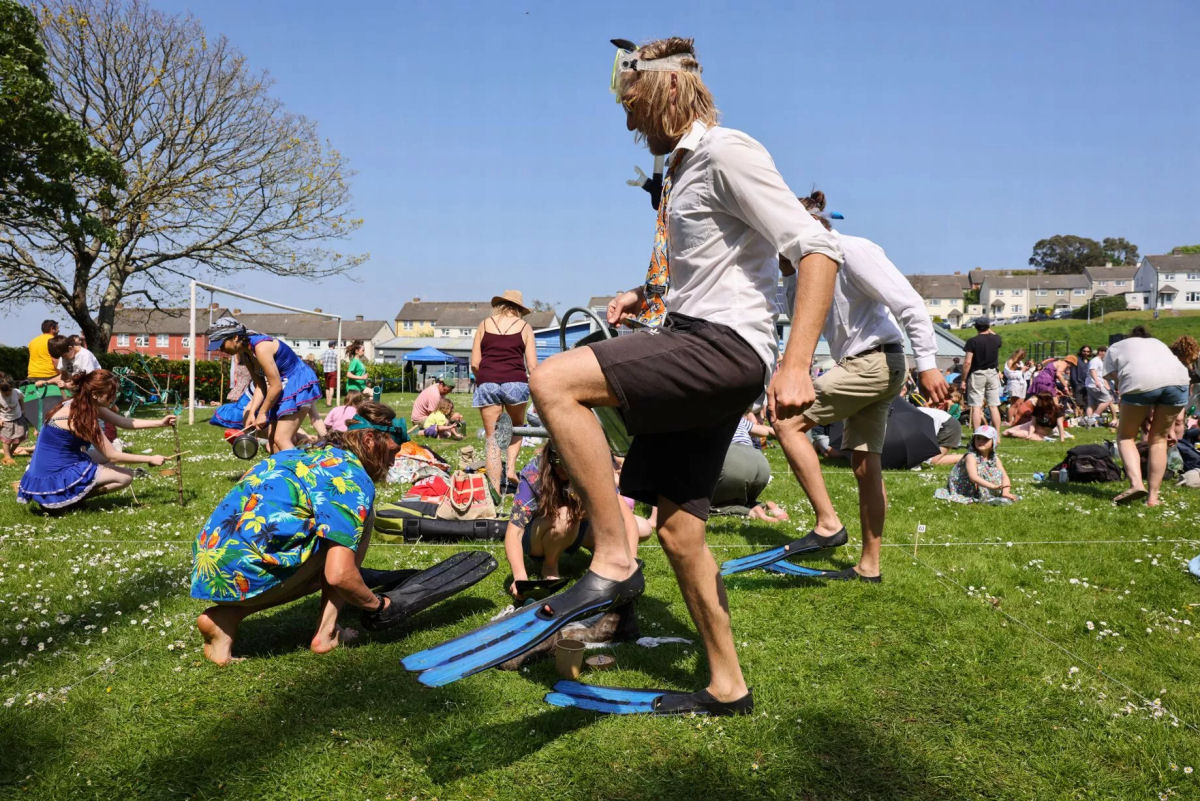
[[159, 332]]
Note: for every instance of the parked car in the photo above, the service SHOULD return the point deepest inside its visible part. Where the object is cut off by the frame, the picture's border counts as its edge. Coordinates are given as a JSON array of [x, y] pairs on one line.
[[1037, 317], [1061, 313], [1020, 318], [944, 324]]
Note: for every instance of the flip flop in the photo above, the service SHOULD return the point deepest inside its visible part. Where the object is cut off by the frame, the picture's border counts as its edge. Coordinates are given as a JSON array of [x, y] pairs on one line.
[[1129, 496]]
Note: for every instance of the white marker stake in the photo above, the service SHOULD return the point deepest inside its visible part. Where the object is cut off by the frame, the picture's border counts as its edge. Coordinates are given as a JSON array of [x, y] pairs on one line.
[[917, 538]]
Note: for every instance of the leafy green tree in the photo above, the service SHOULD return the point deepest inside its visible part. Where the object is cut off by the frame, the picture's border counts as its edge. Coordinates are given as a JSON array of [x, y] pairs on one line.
[[1119, 250], [1066, 253], [42, 151], [220, 177], [1184, 250]]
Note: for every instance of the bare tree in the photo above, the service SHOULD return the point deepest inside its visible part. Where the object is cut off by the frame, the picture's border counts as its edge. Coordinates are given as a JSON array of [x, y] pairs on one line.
[[220, 178]]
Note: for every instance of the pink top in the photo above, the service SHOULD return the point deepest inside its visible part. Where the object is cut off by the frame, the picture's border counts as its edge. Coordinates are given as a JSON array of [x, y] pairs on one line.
[[339, 416], [426, 403]]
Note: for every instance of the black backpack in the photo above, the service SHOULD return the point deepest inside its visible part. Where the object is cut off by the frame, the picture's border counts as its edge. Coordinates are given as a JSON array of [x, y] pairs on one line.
[[1086, 463]]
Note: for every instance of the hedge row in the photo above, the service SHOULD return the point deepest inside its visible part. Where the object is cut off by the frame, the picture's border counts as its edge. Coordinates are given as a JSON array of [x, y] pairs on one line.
[[173, 374]]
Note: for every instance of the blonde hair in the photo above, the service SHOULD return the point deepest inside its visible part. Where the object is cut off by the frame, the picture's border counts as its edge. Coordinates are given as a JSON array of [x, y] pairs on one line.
[[648, 94], [502, 308]]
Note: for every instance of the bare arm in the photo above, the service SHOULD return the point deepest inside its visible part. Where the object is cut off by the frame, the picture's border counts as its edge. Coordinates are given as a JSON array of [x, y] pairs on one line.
[[966, 369], [530, 349], [120, 421], [973, 473], [264, 355], [515, 554], [791, 390], [477, 348]]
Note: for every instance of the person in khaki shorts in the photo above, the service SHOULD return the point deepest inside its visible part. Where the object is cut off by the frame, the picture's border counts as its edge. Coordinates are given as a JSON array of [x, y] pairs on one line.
[[870, 295]]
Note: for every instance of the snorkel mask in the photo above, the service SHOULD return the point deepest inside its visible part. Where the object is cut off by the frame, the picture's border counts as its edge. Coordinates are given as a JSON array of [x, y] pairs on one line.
[[395, 429], [629, 60]]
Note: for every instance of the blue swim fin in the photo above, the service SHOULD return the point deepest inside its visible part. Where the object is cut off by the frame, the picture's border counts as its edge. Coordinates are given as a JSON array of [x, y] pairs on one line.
[[504, 639], [809, 543], [789, 569], [624, 701]]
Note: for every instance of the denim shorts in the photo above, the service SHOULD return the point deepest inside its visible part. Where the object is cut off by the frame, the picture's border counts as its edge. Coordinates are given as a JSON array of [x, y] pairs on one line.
[[1163, 396], [508, 394]]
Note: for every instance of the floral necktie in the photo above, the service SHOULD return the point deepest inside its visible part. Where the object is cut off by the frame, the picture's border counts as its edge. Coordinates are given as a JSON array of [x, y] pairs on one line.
[[658, 275]]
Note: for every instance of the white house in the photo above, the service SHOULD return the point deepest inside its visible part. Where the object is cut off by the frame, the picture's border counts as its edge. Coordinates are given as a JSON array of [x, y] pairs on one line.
[[1169, 282], [943, 295]]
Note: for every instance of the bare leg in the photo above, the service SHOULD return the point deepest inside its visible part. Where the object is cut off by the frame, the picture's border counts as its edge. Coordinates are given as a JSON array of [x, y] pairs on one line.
[[490, 415], [976, 416], [110, 479], [8, 456], [516, 413], [806, 466], [872, 509], [1128, 426], [682, 538], [995, 411], [565, 388], [283, 432], [1156, 462]]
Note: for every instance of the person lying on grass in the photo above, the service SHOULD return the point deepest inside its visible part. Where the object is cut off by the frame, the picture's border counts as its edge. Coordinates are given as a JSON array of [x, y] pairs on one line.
[[1037, 420], [548, 519], [299, 521], [62, 472], [978, 477]]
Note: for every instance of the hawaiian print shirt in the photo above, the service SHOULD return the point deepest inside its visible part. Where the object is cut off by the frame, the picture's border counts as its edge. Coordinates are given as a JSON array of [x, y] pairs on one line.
[[275, 518]]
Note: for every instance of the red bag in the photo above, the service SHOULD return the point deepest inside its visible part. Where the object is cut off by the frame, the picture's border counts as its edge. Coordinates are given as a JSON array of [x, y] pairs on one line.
[[469, 498], [431, 489]]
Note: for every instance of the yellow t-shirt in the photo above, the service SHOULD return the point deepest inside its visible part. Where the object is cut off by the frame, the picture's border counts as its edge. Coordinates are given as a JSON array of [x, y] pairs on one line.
[[435, 419], [40, 363]]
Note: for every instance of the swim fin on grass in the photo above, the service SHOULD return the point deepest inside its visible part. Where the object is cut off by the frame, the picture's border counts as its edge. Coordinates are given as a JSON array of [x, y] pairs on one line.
[[809, 543], [424, 588], [623, 701], [788, 569], [511, 636]]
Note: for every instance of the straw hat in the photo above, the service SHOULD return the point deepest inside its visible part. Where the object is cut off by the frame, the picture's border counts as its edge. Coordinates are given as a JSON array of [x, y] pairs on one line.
[[514, 297]]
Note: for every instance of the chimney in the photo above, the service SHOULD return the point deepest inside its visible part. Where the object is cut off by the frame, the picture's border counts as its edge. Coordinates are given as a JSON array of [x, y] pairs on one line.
[[317, 309], [237, 311], [416, 300], [214, 306], [358, 318]]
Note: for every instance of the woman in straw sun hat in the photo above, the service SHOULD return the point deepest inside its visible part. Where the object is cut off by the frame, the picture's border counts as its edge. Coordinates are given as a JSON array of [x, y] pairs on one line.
[[502, 356]]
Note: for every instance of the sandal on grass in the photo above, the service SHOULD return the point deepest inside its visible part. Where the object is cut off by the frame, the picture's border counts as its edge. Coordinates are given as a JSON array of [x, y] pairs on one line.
[[1129, 496]]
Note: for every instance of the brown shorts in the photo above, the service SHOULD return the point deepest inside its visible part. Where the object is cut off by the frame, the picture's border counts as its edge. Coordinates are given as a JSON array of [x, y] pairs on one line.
[[859, 390], [331, 380], [682, 389]]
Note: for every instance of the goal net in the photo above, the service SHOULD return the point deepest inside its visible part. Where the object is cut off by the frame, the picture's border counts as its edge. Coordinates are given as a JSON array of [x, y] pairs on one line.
[[306, 331]]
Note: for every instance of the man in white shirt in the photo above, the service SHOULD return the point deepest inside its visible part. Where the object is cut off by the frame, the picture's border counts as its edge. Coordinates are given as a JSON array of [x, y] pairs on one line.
[[869, 296], [683, 387], [1099, 395]]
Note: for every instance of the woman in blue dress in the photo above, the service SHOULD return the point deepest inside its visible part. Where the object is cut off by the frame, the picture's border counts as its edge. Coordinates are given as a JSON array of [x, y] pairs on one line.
[[298, 522], [61, 472], [284, 386]]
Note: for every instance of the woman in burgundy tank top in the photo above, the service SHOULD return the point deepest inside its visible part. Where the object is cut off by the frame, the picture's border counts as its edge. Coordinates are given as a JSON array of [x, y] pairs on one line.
[[502, 356]]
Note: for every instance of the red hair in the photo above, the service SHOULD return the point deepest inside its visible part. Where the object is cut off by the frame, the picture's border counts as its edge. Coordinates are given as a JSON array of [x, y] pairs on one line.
[[89, 389]]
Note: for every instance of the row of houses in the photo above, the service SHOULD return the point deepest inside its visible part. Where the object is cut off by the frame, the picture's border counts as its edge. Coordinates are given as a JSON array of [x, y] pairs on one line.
[[1158, 282]]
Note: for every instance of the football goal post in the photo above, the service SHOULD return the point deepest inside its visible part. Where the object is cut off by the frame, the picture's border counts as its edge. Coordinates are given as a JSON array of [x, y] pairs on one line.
[[215, 290]]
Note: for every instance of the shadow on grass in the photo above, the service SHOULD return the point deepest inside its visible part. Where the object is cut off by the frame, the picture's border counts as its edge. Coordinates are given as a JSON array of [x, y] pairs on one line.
[[1102, 491]]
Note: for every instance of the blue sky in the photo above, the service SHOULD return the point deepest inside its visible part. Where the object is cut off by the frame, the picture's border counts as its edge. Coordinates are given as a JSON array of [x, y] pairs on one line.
[[489, 154]]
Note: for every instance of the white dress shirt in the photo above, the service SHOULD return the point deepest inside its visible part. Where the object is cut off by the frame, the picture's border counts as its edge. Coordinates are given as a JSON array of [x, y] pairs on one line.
[[869, 296], [729, 215]]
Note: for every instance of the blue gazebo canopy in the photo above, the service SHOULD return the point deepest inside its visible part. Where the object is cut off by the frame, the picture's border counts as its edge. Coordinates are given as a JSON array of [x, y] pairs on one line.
[[429, 355]]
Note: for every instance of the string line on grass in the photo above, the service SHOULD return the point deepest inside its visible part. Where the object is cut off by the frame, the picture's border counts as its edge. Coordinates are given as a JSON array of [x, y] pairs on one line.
[[949, 581], [485, 544]]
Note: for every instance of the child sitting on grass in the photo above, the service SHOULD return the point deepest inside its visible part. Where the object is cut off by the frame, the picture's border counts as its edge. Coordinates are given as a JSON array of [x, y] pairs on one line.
[[978, 477], [337, 417], [438, 424], [12, 424]]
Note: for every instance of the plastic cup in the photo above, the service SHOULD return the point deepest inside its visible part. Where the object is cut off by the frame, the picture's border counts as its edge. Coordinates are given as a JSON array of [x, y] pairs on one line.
[[568, 658]]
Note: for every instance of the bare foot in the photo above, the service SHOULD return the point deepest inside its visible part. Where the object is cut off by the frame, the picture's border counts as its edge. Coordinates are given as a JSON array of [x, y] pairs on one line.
[[776, 511], [323, 644], [8, 460], [218, 625], [1154, 502]]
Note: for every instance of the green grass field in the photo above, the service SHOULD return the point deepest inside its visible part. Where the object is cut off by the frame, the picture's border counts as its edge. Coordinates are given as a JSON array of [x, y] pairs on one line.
[[1168, 327], [1041, 651]]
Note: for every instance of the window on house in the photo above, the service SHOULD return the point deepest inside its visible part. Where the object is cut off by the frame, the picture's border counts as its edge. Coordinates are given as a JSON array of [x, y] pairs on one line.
[[1118, 283], [163, 340], [445, 332], [935, 302], [1060, 292], [999, 292], [1080, 291], [142, 341], [1016, 308], [1041, 293], [408, 325], [1193, 276], [122, 340], [1193, 297], [1168, 276], [314, 343], [186, 341]]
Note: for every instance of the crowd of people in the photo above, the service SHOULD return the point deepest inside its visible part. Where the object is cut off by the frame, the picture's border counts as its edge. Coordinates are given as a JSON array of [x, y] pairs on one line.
[[700, 386]]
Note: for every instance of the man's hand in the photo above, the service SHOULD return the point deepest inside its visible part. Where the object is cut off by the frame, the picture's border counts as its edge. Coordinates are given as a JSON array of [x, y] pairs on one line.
[[624, 305], [933, 386], [790, 393]]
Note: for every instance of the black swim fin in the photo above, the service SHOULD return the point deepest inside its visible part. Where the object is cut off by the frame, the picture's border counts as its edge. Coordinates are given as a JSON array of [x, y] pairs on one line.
[[427, 587]]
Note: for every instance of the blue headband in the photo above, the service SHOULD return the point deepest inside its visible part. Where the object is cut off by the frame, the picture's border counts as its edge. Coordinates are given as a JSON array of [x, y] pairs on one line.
[[397, 431]]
